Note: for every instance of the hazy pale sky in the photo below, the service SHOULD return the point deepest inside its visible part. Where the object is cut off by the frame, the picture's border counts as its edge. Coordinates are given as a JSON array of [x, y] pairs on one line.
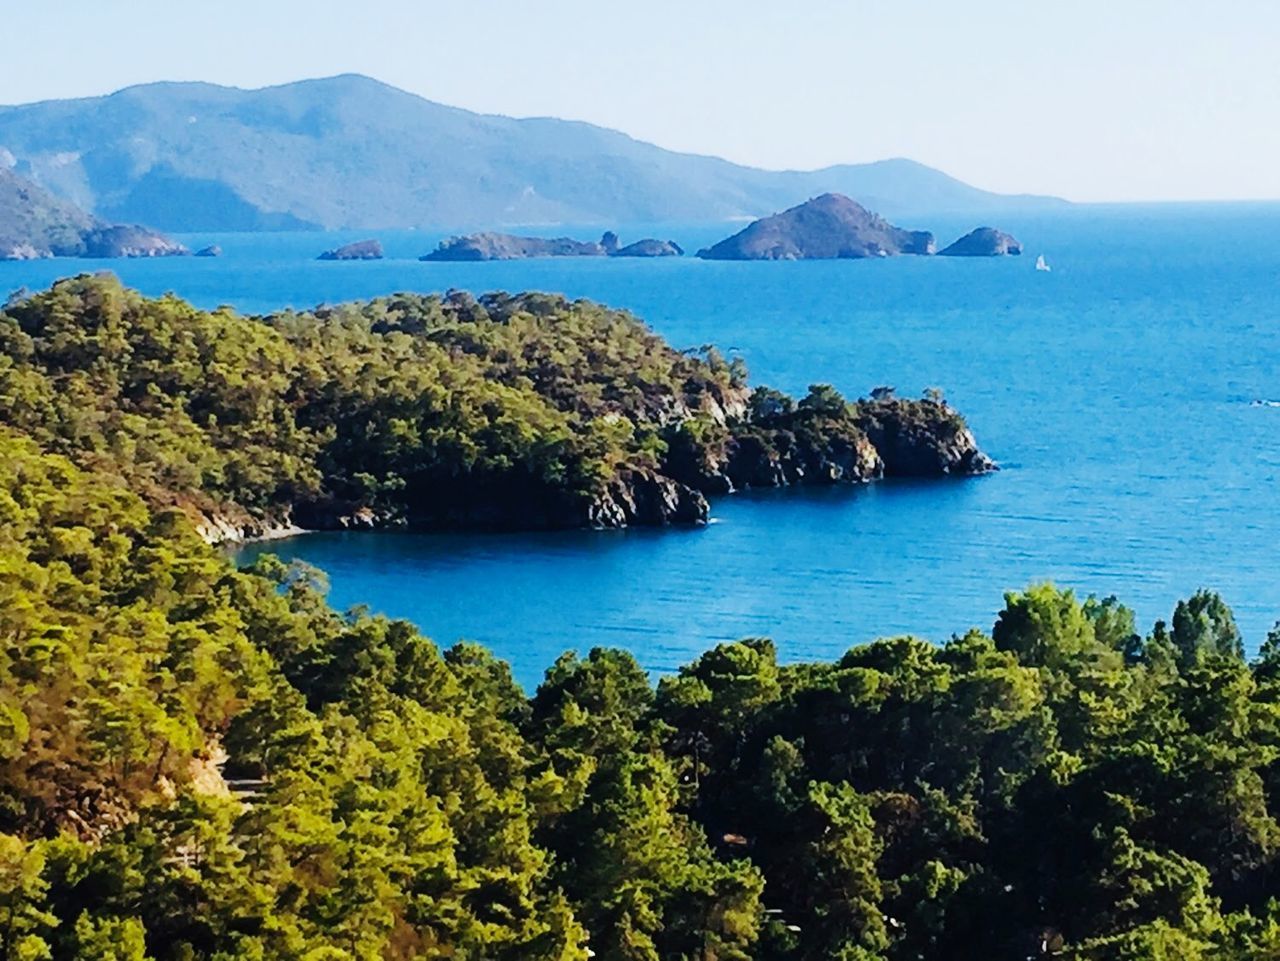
[[1091, 100]]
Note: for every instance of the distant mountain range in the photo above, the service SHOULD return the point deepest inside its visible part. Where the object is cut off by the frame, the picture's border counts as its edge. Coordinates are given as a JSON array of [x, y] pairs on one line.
[[350, 152]]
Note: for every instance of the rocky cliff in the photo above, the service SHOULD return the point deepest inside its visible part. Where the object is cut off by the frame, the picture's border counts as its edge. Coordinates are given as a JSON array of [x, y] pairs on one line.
[[823, 440], [828, 227], [921, 438]]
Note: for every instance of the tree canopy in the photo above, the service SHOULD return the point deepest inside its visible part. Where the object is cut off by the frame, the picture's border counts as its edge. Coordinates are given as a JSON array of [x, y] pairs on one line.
[[522, 410], [204, 762]]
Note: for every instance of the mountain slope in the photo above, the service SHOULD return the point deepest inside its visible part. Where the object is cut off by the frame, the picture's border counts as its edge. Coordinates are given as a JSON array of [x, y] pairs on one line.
[[349, 151], [34, 223]]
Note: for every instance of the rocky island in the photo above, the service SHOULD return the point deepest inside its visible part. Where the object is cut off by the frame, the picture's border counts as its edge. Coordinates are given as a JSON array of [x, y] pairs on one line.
[[650, 248], [360, 250], [825, 228], [983, 242], [34, 224], [496, 246], [428, 412]]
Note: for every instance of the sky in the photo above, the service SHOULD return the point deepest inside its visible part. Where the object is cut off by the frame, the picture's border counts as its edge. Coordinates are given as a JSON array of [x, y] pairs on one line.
[[1093, 101]]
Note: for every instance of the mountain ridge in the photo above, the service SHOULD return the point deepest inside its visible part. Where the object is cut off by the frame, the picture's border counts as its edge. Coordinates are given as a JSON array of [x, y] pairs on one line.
[[353, 152]]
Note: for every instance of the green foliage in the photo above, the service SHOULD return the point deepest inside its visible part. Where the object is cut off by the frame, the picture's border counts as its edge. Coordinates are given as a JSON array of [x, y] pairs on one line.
[[507, 411], [423, 408], [1204, 627], [198, 762]]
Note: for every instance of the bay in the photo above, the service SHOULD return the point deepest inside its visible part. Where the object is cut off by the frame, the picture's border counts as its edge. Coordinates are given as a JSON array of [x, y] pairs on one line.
[[1121, 392]]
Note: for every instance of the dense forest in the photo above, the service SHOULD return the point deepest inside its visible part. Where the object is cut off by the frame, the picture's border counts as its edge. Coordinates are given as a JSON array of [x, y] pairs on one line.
[[199, 762], [504, 411]]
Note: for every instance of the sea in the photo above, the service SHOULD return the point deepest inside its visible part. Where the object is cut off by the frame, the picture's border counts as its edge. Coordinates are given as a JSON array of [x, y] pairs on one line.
[[1131, 395]]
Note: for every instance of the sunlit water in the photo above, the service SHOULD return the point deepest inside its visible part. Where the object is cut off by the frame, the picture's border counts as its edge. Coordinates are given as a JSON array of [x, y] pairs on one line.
[[1118, 392]]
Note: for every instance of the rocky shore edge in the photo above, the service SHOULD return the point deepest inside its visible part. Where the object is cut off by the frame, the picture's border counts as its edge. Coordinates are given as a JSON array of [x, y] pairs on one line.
[[772, 443]]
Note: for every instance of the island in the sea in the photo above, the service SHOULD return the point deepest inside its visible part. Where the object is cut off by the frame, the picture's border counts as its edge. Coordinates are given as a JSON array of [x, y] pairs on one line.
[[983, 242], [359, 250], [498, 246], [834, 227], [427, 412], [35, 224], [827, 227]]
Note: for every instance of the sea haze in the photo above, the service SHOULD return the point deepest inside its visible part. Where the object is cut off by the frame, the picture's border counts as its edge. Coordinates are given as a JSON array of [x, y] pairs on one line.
[[1118, 391]]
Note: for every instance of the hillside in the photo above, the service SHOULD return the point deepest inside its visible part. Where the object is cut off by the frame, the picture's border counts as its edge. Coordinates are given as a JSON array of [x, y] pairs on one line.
[[523, 411], [199, 763], [35, 224], [351, 152]]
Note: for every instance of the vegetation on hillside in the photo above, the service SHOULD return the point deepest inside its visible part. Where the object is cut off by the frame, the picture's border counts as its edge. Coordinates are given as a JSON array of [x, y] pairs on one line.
[[504, 411], [203, 763]]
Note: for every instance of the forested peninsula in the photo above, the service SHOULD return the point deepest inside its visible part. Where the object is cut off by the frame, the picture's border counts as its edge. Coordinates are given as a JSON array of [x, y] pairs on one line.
[[509, 411]]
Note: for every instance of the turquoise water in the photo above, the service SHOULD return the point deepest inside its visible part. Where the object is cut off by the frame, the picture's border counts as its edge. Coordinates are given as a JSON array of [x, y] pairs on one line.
[[1117, 391]]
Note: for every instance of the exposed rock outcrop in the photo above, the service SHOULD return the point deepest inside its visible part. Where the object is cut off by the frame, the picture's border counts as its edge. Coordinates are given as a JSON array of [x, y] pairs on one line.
[[921, 438], [822, 440], [828, 227], [360, 250], [238, 527], [213, 250], [645, 498], [983, 242]]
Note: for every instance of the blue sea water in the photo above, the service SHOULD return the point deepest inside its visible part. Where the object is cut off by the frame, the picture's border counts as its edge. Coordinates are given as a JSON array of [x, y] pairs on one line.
[[1118, 391]]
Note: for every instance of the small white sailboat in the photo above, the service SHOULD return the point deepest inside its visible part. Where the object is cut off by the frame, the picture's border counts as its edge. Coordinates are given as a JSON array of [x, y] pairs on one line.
[[1042, 265]]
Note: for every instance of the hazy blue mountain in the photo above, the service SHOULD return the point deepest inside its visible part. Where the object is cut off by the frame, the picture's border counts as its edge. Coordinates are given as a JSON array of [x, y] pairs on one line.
[[349, 151], [35, 224]]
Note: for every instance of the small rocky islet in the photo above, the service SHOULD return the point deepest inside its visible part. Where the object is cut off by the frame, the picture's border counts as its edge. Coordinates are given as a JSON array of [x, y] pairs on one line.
[[984, 242], [359, 250]]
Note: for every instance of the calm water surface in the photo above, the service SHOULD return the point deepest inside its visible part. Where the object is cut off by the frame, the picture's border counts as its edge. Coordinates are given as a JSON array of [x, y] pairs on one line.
[[1117, 391]]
